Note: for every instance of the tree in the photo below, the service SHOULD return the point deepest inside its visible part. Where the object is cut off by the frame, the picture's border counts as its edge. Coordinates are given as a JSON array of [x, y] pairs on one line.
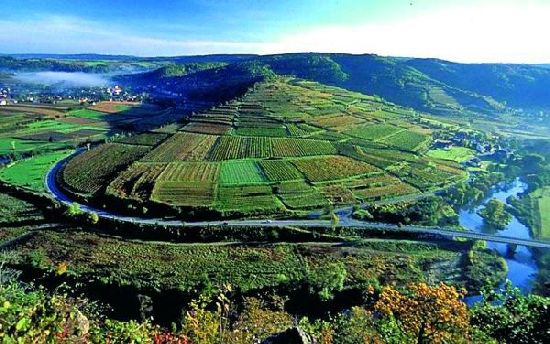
[[334, 219], [514, 318], [93, 218], [74, 210], [327, 279], [532, 163], [495, 214], [429, 314]]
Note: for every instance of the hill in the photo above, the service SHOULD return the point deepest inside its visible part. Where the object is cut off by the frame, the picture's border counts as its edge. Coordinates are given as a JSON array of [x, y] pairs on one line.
[[425, 84], [163, 74], [429, 85], [97, 63], [11, 64], [207, 82], [285, 147]]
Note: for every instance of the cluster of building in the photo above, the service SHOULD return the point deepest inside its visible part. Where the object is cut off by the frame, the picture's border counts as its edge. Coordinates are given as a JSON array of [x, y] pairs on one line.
[[493, 150], [4, 96], [81, 96]]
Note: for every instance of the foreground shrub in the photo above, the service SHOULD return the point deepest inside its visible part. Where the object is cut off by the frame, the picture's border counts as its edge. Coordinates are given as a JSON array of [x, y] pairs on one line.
[[433, 314]]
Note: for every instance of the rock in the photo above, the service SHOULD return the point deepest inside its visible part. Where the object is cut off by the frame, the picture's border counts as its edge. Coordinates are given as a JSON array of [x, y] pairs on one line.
[[145, 307], [293, 335]]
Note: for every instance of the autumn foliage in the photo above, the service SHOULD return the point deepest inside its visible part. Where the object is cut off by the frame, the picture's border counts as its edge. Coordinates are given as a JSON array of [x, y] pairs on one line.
[[430, 314]]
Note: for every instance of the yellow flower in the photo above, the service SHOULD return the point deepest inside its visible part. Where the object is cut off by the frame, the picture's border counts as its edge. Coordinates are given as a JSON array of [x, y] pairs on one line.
[[61, 269]]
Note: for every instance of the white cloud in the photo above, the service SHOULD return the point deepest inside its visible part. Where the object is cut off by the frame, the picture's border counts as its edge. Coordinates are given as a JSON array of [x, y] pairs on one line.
[[497, 32], [491, 33], [57, 34]]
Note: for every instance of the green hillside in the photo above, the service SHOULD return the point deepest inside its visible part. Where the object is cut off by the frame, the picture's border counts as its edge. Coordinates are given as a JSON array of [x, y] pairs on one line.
[[430, 85]]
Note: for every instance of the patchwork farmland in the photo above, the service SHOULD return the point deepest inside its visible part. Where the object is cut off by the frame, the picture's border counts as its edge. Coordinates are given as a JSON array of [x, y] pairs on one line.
[[286, 146]]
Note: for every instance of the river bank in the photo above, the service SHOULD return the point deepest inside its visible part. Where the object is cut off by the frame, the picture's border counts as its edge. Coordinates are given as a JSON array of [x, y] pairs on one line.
[[522, 266]]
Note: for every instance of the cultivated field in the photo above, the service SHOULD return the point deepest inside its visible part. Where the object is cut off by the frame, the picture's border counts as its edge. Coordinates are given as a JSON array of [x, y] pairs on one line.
[[87, 173], [287, 145]]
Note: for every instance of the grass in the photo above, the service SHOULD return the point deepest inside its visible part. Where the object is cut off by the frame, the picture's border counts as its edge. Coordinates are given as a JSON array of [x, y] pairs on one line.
[[51, 124], [539, 211], [544, 211], [373, 132], [185, 193], [86, 113], [300, 195], [248, 199], [407, 140], [30, 173], [458, 154], [7, 234], [14, 210], [7, 145], [280, 170], [241, 172]]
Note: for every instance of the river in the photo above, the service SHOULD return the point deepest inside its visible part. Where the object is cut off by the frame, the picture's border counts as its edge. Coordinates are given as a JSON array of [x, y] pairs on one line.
[[522, 268]]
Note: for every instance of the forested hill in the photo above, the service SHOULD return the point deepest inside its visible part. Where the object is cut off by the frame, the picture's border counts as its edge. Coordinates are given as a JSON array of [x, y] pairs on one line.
[[431, 85], [427, 84], [96, 63], [11, 64]]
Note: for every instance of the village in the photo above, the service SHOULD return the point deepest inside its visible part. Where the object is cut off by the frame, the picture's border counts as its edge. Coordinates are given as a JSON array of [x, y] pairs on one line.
[[492, 148], [68, 96]]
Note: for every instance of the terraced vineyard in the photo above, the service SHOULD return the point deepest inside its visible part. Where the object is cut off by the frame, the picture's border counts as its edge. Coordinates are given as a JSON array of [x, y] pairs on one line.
[[286, 146]]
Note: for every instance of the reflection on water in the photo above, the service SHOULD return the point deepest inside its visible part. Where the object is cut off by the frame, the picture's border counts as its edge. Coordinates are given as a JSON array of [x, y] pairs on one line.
[[522, 267]]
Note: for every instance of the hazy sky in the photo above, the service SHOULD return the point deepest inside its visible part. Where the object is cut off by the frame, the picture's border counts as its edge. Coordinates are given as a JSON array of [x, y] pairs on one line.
[[459, 30]]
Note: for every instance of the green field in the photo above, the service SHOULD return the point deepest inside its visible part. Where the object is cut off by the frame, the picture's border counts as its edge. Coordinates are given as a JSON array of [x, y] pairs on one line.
[[241, 172], [247, 131], [458, 154], [30, 173], [10, 145], [86, 113], [248, 199], [185, 193], [544, 210], [543, 200], [280, 170], [373, 132], [92, 170], [407, 140], [50, 124], [14, 210]]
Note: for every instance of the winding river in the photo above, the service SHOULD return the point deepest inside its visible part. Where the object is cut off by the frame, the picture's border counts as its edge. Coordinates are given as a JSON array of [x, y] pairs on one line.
[[522, 267]]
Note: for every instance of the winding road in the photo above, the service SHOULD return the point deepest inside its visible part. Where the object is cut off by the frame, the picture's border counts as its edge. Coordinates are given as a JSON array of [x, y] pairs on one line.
[[344, 216]]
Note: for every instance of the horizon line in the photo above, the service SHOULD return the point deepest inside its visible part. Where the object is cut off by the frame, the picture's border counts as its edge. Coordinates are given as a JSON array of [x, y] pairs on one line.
[[273, 54]]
